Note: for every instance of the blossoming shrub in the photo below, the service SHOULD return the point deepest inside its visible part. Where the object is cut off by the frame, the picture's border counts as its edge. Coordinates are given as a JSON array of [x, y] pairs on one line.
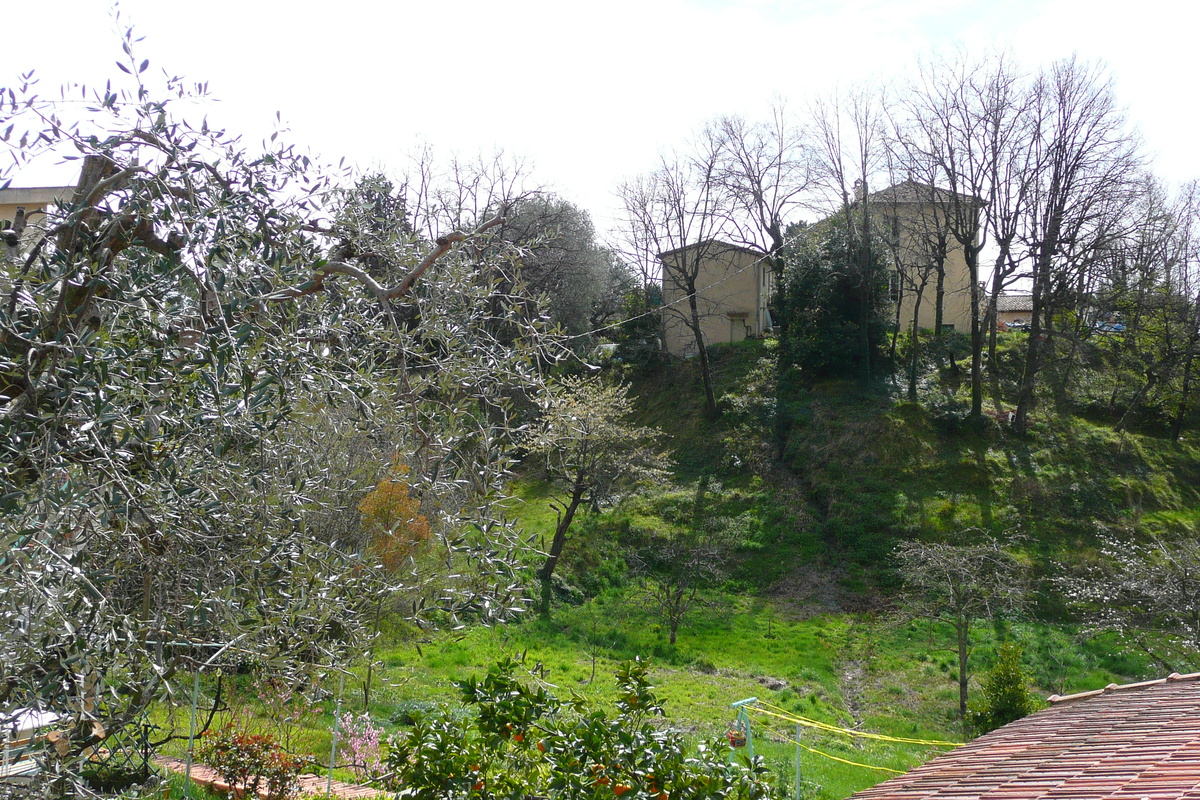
[[522, 741], [362, 741]]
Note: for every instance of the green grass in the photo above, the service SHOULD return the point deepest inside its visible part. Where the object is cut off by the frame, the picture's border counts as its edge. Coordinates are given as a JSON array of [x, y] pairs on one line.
[[858, 671], [805, 618]]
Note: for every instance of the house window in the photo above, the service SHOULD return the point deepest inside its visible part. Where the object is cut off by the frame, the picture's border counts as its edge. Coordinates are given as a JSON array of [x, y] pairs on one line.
[[894, 287], [947, 327], [891, 225]]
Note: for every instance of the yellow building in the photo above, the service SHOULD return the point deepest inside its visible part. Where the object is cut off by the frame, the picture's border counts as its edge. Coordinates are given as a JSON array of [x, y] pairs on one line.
[[913, 217], [23, 210], [733, 286]]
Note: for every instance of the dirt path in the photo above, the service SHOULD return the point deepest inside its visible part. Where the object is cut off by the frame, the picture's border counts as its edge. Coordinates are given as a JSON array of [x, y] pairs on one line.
[[310, 785]]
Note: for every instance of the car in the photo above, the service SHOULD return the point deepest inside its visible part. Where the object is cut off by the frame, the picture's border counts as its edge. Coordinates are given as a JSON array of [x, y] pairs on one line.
[[1110, 327], [1019, 325]]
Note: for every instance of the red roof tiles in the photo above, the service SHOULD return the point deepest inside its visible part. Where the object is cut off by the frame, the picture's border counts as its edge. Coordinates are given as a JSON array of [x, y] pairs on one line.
[[1140, 740]]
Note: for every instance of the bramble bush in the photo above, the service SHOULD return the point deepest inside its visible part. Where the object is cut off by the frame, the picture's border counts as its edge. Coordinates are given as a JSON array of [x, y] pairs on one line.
[[522, 741]]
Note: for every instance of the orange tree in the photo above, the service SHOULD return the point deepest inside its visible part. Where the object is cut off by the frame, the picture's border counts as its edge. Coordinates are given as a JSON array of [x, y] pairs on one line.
[[523, 742]]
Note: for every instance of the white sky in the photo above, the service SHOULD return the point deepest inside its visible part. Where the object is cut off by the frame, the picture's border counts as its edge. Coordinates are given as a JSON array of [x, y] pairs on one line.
[[587, 93]]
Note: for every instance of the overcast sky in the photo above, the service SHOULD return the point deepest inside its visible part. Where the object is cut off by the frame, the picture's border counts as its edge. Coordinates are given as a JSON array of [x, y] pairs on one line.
[[587, 93]]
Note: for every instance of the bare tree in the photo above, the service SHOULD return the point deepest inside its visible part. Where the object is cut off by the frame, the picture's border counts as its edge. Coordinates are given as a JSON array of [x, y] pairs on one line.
[[677, 216], [962, 584], [1086, 162], [1186, 278], [677, 563], [676, 569], [768, 170], [949, 137]]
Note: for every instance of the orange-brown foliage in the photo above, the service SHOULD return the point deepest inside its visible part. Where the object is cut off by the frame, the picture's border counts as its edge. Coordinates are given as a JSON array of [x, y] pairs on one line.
[[393, 519]]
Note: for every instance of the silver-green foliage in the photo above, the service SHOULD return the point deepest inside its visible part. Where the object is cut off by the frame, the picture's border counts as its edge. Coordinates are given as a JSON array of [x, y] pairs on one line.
[[204, 364]]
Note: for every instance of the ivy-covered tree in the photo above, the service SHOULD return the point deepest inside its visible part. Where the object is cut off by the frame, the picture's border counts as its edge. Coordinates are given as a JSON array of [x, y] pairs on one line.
[[832, 302]]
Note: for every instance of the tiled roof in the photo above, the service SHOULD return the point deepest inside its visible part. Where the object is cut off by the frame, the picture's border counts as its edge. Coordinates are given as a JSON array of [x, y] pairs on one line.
[[913, 192], [713, 246], [1014, 302], [1140, 740]]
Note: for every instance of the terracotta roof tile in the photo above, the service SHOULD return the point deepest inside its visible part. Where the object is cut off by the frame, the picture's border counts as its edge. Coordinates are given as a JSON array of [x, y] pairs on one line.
[[1121, 742], [1014, 302]]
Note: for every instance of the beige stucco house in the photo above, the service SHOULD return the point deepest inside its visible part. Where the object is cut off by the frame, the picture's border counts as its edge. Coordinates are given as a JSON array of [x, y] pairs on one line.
[[913, 217], [24, 210], [733, 286]]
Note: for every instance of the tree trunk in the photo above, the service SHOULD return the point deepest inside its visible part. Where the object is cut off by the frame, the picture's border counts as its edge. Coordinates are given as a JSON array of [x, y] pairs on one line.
[[993, 324], [963, 627], [897, 320], [1033, 351], [915, 345], [972, 255], [940, 299], [865, 299], [710, 397], [1151, 381], [1184, 391], [556, 546], [1186, 387]]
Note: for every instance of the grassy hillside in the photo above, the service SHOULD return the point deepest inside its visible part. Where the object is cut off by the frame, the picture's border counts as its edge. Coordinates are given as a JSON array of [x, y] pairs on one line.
[[859, 470], [817, 489]]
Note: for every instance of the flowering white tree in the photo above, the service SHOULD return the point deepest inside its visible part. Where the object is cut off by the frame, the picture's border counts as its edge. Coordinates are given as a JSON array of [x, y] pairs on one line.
[[1146, 592]]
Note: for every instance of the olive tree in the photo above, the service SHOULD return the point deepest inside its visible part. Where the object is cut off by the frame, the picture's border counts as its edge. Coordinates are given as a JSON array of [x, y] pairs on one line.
[[590, 453], [170, 351]]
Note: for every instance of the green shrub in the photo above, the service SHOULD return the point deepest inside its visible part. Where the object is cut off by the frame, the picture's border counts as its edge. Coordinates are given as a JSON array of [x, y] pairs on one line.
[[1006, 695], [523, 742], [249, 761]]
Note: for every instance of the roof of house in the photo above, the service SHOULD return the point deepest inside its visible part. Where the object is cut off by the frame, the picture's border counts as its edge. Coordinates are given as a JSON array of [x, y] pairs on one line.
[[1014, 302], [911, 191], [715, 244], [1139, 740]]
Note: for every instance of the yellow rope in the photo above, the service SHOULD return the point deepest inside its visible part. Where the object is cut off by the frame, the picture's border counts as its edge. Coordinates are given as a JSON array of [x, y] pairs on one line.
[[833, 757], [780, 713]]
